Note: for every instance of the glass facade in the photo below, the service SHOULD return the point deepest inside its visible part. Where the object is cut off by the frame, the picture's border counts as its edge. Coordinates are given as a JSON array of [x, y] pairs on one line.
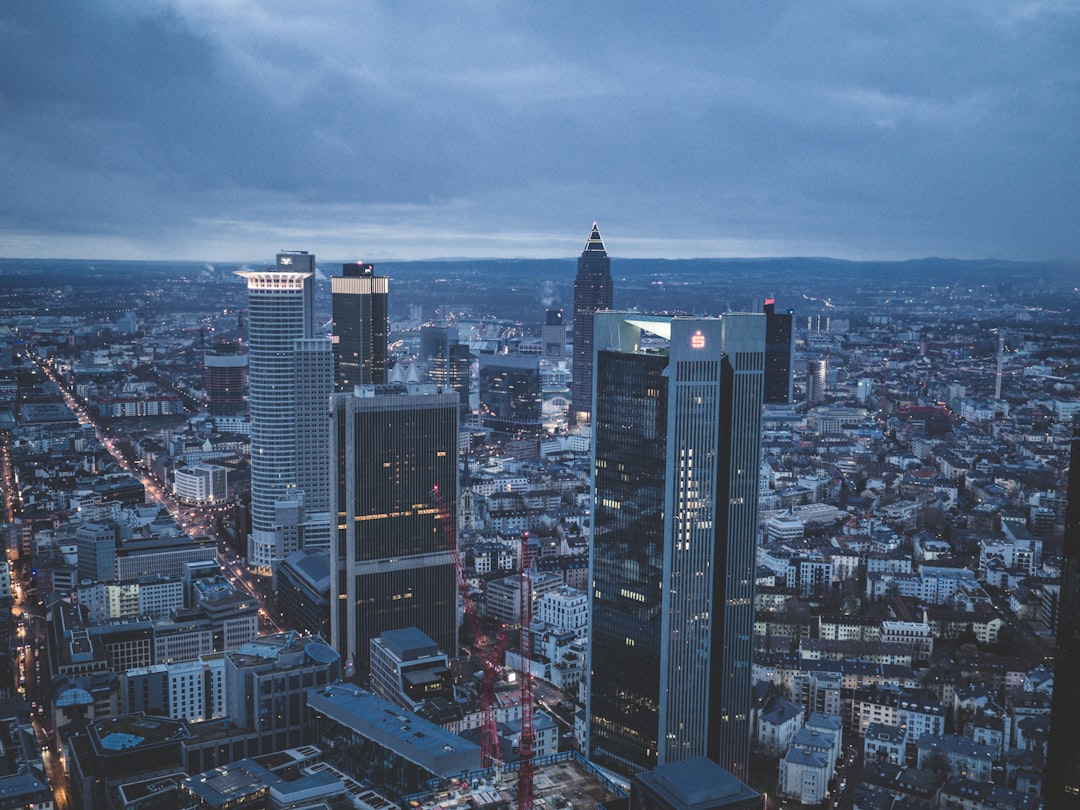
[[510, 394], [779, 354], [677, 435], [593, 292], [358, 301], [1062, 788], [392, 566]]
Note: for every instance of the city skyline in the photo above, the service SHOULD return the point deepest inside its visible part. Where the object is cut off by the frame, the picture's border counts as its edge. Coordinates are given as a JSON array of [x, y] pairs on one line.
[[195, 130]]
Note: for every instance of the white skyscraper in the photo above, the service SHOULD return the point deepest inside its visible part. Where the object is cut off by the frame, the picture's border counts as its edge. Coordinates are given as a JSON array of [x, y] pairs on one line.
[[290, 379]]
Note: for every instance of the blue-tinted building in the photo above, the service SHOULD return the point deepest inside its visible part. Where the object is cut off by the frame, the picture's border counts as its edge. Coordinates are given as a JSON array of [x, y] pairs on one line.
[[677, 426]]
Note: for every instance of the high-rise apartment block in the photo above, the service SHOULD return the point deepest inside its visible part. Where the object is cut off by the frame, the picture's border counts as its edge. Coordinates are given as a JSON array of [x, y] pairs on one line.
[[1062, 787], [779, 354], [289, 387], [359, 326], [677, 432], [593, 292], [395, 498]]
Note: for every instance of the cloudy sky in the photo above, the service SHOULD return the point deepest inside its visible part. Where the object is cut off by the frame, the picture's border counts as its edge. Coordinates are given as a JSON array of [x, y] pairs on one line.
[[229, 129]]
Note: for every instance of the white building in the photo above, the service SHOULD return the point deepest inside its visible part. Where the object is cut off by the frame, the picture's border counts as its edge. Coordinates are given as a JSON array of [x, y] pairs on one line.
[[565, 608], [915, 635], [804, 776], [201, 484]]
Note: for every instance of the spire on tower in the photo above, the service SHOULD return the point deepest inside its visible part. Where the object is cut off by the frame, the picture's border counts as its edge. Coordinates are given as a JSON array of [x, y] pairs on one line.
[[595, 243]]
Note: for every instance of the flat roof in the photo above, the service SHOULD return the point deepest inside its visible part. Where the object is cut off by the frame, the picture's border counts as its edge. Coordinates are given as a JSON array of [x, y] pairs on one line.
[[432, 747], [697, 782]]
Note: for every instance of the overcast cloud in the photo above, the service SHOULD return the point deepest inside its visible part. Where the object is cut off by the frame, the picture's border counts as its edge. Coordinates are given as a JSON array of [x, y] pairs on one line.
[[207, 129]]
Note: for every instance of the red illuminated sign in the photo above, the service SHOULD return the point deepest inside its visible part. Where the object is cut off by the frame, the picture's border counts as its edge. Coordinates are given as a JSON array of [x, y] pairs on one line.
[[697, 341]]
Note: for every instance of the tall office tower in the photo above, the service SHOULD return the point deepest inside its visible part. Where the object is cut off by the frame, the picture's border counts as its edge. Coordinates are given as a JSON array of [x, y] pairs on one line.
[[391, 565], [510, 395], [225, 367], [676, 432], [553, 335], [447, 360], [358, 301], [281, 314], [593, 292], [314, 384], [1062, 786], [779, 354], [816, 377]]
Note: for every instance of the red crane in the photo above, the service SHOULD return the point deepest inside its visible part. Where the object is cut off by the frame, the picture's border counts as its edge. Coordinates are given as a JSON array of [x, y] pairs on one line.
[[488, 651], [525, 769]]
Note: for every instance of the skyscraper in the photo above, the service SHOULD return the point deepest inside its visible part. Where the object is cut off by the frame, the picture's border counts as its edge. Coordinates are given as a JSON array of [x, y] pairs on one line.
[[225, 367], [779, 354], [448, 361], [553, 335], [358, 301], [677, 431], [510, 395], [816, 374], [1062, 786], [593, 292], [391, 563], [281, 324]]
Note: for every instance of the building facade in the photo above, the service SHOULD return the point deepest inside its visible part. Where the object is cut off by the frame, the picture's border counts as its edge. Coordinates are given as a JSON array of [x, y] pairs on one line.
[[225, 367], [779, 354], [510, 395], [358, 300], [675, 488], [395, 499], [281, 311], [1062, 787], [593, 292]]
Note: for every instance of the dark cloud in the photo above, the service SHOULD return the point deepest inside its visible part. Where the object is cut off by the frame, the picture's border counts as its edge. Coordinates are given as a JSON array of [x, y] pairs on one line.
[[217, 130]]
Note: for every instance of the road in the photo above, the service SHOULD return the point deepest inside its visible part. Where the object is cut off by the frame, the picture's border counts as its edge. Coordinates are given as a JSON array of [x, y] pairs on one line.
[[195, 522]]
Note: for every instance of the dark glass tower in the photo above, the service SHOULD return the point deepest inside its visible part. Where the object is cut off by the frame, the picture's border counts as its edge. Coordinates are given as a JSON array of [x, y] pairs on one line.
[[1062, 787], [225, 367], [593, 292], [677, 431], [448, 361], [510, 395], [779, 354], [391, 565], [358, 308]]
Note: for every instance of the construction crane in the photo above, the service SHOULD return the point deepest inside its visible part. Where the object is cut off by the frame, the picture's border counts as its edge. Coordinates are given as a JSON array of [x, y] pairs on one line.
[[488, 651], [525, 747]]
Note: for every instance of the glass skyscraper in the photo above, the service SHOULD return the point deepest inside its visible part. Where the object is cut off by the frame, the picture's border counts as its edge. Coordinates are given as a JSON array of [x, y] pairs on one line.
[[593, 292], [511, 395], [358, 301], [677, 426], [1062, 787], [779, 354], [391, 562]]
